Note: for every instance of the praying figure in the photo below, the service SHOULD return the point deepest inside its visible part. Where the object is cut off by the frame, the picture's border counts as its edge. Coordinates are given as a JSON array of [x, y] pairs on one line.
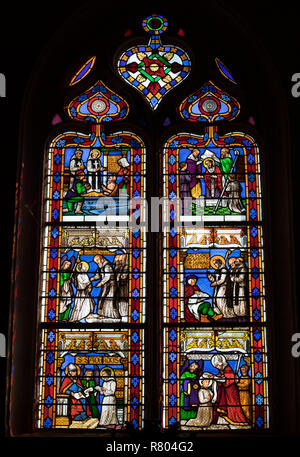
[[220, 280], [207, 395], [122, 280], [83, 304], [66, 289], [124, 174], [189, 400]]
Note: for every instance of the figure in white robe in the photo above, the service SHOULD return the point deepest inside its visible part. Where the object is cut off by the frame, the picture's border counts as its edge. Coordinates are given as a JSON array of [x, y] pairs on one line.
[[239, 277], [107, 306], [108, 415], [83, 304], [222, 298], [207, 395]]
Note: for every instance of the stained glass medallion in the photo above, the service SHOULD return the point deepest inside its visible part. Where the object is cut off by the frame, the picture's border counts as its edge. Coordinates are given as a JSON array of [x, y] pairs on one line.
[[154, 69], [92, 272], [215, 362]]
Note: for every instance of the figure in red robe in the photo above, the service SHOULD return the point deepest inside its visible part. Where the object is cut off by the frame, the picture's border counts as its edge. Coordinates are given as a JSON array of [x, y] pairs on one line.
[[124, 174], [227, 404], [212, 178], [189, 289], [71, 385]]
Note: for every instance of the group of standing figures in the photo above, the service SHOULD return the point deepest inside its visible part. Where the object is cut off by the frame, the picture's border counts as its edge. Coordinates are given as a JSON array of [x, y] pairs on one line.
[[208, 399], [92, 178], [84, 397], [219, 176], [76, 286], [230, 297]]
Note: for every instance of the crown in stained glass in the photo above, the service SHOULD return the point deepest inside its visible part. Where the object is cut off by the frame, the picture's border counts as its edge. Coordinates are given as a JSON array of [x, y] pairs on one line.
[[98, 104], [209, 104], [154, 69]]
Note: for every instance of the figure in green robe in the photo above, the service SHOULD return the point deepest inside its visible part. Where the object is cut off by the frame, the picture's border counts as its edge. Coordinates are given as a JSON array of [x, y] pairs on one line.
[[226, 163], [65, 288], [74, 195], [89, 385], [189, 382]]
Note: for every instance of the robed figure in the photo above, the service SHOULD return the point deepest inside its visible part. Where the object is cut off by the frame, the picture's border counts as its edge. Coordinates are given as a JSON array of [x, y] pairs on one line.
[[212, 179], [227, 404], [72, 386], [207, 396], [107, 303], [94, 169], [122, 280], [189, 380], [220, 280], [83, 303], [184, 181], [194, 170], [66, 290], [240, 291], [89, 383], [190, 288], [233, 190], [108, 415], [76, 164]]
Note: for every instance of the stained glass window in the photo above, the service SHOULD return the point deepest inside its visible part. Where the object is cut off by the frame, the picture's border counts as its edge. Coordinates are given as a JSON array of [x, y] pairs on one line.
[[92, 294], [92, 302], [215, 360]]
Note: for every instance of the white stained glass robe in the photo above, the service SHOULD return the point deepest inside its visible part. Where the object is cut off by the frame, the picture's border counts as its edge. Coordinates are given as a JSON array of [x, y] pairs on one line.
[[240, 292], [83, 304], [205, 410], [220, 298], [107, 298], [109, 408]]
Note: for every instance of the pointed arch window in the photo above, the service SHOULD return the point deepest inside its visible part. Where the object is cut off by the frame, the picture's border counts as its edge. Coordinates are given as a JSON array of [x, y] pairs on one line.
[[92, 298], [134, 326], [215, 371]]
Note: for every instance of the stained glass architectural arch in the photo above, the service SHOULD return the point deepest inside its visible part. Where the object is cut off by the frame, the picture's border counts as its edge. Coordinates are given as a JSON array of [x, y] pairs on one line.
[[92, 272], [215, 367]]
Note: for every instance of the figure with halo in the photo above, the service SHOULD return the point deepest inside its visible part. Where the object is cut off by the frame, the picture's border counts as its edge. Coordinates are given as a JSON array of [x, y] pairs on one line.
[[83, 304]]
